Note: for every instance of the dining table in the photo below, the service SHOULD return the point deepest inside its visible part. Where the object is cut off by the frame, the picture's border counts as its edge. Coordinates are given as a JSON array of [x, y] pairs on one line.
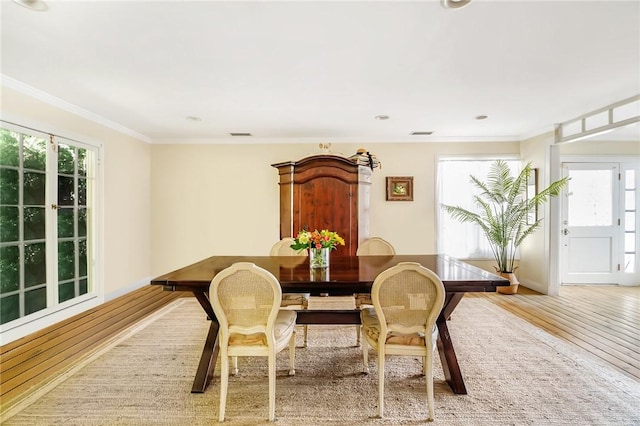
[[346, 275]]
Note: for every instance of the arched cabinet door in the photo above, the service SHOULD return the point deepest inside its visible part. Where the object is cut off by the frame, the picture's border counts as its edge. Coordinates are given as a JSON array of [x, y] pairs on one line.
[[325, 192]]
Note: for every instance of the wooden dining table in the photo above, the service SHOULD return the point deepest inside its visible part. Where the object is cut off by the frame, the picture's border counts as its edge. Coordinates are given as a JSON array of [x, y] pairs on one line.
[[346, 275]]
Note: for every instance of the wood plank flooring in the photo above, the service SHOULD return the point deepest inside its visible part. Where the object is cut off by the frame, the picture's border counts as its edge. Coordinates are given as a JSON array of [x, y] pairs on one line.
[[604, 320], [27, 363]]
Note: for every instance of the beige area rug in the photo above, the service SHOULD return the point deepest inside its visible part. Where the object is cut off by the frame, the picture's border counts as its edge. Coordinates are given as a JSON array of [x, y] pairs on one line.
[[515, 374]]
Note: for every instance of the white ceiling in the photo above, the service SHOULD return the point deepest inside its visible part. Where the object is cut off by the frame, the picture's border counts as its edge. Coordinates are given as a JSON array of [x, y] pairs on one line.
[[302, 71]]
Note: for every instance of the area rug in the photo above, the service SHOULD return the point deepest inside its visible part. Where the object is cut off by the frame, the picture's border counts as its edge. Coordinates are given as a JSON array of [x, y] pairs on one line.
[[515, 374]]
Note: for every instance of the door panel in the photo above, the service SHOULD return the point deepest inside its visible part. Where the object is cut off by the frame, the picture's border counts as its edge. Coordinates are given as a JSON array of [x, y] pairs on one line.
[[590, 255], [590, 247]]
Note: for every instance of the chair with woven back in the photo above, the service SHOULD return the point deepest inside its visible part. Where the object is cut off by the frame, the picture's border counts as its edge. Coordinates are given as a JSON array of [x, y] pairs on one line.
[[373, 246], [407, 299], [246, 301], [292, 300]]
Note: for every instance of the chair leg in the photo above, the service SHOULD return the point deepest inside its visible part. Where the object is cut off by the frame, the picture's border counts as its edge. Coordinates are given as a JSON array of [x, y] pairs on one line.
[[224, 383], [357, 335], [381, 357], [434, 348], [292, 354], [272, 387], [429, 378], [235, 365], [365, 356], [306, 332]]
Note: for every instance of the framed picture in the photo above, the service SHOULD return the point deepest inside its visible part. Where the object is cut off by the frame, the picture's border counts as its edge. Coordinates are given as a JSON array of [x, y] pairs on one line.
[[399, 188], [532, 190]]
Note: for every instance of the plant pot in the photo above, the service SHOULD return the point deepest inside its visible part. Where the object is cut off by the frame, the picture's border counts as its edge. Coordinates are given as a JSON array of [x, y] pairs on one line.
[[511, 289]]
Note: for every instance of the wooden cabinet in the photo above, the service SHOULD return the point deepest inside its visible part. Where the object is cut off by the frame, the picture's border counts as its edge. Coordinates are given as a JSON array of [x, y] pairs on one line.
[[325, 192]]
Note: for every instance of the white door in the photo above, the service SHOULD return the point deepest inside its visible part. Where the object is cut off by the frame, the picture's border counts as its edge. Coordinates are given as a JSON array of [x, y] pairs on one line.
[[591, 224]]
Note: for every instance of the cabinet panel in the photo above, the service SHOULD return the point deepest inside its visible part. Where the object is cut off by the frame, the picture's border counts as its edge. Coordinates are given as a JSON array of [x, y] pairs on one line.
[[325, 192], [326, 203]]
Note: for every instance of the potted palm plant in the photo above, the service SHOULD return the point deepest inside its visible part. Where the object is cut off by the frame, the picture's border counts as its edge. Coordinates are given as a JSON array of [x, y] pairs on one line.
[[503, 209]]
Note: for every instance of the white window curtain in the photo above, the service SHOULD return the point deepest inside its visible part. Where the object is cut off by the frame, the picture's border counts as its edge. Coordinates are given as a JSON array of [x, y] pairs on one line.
[[454, 187]]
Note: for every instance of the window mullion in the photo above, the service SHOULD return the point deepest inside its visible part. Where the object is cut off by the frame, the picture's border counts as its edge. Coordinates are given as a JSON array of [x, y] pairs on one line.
[[76, 238], [52, 223], [21, 243]]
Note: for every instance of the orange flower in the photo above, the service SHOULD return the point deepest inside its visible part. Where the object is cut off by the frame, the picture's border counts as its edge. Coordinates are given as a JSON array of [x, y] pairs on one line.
[[317, 239]]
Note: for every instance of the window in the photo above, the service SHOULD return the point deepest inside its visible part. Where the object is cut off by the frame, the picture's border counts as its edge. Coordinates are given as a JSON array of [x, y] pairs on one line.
[[462, 240], [630, 220], [47, 211], [591, 200]]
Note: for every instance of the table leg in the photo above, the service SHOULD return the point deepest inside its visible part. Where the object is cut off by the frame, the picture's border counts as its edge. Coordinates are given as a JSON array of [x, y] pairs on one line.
[[448, 358], [204, 301], [210, 350], [207, 360]]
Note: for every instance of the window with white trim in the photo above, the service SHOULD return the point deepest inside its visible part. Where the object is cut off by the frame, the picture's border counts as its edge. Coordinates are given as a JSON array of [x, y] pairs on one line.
[[454, 187], [47, 231]]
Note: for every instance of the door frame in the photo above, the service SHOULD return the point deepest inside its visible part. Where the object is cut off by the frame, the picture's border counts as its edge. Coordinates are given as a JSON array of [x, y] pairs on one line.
[[555, 208]]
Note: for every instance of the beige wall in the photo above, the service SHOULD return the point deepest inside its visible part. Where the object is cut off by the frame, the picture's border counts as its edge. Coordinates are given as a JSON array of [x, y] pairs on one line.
[[126, 210], [587, 147], [223, 199], [127, 214], [533, 268]]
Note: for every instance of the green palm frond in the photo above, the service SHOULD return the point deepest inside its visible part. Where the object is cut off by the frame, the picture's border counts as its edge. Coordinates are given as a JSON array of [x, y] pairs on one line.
[[503, 208]]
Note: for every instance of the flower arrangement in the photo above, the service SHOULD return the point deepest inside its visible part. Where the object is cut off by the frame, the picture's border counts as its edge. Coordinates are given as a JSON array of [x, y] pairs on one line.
[[317, 240]]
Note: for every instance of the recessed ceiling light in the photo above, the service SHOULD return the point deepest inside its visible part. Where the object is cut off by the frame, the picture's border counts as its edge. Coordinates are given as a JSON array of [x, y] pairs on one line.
[[454, 4], [381, 117], [37, 5], [193, 118], [421, 133], [481, 117], [240, 134]]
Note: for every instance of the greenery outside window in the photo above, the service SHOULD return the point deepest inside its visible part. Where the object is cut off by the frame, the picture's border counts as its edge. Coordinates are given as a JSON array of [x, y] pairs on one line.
[[47, 205]]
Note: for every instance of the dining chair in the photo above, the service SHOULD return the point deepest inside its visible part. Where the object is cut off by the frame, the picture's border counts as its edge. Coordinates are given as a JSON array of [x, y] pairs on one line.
[[407, 299], [246, 301], [292, 300], [374, 246]]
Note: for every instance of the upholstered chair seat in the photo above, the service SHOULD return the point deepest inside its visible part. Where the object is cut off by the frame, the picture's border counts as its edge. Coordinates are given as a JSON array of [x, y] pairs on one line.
[[246, 301], [407, 299]]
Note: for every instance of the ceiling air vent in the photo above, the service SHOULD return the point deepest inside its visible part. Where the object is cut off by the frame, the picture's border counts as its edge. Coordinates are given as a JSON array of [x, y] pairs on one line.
[[421, 133], [240, 134]]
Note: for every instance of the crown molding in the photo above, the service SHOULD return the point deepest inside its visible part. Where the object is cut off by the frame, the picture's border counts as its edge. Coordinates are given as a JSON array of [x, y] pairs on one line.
[[25, 89], [536, 133], [293, 140]]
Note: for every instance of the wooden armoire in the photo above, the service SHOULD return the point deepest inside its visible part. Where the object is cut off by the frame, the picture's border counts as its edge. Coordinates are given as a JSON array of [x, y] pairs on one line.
[[325, 192]]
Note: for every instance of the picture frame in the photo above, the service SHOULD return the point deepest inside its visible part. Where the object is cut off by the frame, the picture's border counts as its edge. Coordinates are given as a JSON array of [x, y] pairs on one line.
[[532, 190], [399, 188]]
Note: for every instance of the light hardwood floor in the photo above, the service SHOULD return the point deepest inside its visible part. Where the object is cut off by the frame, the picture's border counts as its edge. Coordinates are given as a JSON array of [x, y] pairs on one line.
[[604, 320]]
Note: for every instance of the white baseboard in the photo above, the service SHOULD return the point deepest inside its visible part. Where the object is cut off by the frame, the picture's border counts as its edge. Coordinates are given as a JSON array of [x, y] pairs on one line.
[[128, 289], [535, 286]]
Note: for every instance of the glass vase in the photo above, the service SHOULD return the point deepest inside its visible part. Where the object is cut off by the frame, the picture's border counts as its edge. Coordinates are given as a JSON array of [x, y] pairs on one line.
[[319, 275], [319, 258]]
